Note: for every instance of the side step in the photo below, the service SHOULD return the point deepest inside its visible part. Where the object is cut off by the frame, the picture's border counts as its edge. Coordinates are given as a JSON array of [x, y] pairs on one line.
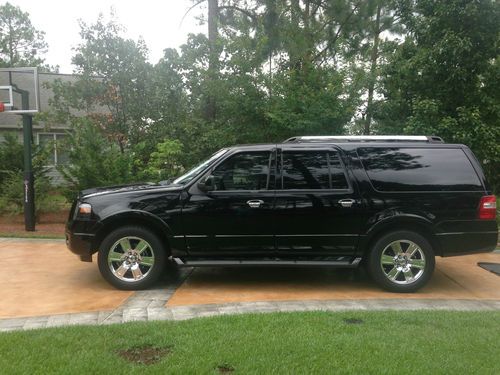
[[268, 262]]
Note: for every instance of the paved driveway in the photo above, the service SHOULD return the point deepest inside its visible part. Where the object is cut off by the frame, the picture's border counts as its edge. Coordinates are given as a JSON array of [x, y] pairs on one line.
[[456, 278], [42, 278]]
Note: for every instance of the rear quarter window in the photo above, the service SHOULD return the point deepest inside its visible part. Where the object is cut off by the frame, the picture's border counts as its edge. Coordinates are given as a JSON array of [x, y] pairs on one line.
[[419, 169]]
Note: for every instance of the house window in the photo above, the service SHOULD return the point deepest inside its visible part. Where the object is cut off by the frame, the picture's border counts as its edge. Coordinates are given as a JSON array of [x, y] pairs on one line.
[[54, 141]]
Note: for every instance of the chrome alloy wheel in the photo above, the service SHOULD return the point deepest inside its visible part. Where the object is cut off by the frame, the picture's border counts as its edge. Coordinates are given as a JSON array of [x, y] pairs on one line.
[[131, 259], [403, 262]]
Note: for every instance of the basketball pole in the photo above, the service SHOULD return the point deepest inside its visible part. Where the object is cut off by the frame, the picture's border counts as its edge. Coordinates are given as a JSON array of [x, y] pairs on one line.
[[27, 117], [29, 179]]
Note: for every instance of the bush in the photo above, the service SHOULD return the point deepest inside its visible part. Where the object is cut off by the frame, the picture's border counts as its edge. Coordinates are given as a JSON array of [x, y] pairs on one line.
[[163, 163], [12, 197], [93, 160], [12, 176]]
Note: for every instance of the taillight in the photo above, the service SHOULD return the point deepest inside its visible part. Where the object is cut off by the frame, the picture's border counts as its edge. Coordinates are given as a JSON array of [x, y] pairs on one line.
[[488, 207]]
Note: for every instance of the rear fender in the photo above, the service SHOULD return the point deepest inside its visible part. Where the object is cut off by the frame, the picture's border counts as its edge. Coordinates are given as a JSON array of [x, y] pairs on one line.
[[391, 221]]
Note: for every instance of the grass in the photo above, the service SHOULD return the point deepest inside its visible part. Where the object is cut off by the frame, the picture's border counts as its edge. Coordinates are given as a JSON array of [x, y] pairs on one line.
[[31, 235], [423, 342]]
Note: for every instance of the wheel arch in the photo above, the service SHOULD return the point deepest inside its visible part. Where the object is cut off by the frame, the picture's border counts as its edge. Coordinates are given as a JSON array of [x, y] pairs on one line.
[[409, 223], [136, 218]]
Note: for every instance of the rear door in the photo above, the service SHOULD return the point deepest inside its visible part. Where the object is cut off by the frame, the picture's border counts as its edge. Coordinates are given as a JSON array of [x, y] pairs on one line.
[[317, 206]]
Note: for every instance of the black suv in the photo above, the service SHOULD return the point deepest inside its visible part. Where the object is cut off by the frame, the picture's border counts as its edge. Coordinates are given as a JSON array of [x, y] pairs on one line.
[[390, 202]]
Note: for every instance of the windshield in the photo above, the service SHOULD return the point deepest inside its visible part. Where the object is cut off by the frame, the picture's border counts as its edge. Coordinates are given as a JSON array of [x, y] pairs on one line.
[[185, 178]]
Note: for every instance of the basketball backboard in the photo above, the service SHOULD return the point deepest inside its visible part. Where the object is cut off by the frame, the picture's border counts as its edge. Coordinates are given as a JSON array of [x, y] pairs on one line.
[[19, 90]]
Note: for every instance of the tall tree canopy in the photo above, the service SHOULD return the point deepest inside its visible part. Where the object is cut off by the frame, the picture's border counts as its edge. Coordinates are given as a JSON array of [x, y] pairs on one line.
[[443, 79], [266, 70], [21, 44]]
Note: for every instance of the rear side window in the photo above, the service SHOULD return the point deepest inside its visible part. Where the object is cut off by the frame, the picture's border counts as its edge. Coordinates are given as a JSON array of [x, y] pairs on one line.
[[311, 170], [419, 169]]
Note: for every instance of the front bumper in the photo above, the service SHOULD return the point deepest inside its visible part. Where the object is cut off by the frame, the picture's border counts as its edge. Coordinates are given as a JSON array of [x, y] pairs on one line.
[[80, 244]]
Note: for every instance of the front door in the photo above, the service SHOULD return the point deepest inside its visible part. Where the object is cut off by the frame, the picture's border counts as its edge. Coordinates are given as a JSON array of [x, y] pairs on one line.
[[236, 218], [318, 210]]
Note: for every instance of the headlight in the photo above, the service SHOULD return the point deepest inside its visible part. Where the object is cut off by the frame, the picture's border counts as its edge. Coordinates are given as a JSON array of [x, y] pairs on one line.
[[84, 209]]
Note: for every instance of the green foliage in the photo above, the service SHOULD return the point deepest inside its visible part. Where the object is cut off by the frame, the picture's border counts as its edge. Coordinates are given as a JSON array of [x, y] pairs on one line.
[[93, 159], [268, 70], [443, 80], [11, 157], [164, 162], [11, 175], [20, 43]]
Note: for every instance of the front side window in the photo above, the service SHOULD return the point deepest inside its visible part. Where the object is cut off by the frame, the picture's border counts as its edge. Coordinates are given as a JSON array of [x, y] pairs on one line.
[[196, 171], [243, 171], [312, 170]]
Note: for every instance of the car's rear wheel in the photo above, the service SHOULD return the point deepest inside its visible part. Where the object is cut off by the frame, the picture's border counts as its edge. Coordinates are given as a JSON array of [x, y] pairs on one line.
[[131, 258], [401, 261]]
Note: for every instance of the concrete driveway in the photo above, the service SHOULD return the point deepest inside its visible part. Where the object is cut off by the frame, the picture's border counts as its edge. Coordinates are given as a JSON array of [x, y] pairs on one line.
[[42, 278], [457, 278]]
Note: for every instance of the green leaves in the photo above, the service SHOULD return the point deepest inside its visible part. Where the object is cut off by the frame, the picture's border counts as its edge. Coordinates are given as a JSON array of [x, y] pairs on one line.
[[441, 80], [271, 69], [20, 43]]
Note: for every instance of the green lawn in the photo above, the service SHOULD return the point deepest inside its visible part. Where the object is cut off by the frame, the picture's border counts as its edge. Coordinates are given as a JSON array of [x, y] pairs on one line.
[[286, 343], [31, 235]]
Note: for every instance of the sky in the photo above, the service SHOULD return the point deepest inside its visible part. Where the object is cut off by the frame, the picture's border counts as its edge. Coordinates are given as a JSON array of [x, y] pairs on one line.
[[158, 22]]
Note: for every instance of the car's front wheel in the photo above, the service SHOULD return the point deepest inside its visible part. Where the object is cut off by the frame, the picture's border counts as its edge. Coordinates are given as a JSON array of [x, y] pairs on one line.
[[131, 258], [401, 261]]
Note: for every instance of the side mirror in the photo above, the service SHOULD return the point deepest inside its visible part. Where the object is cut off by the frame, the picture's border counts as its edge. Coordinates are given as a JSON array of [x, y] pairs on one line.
[[207, 184]]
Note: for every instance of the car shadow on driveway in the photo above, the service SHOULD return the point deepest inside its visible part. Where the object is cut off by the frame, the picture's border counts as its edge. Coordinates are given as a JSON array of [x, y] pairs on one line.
[[454, 278]]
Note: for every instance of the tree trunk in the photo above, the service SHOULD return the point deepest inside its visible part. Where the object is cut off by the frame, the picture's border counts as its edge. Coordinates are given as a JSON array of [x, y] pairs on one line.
[[293, 55], [11, 44], [373, 69], [213, 58]]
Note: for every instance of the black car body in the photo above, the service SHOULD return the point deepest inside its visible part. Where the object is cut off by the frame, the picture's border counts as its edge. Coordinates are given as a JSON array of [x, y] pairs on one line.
[[307, 201]]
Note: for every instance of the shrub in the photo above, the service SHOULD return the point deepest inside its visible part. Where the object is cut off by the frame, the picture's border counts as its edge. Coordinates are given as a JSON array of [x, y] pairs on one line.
[[93, 160], [12, 176]]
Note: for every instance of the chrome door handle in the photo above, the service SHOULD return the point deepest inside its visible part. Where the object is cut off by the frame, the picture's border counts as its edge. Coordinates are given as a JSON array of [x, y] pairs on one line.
[[255, 203], [346, 202]]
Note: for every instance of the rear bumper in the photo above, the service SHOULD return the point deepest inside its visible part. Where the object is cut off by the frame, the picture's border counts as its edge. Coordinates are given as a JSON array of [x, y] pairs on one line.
[[80, 244], [462, 243]]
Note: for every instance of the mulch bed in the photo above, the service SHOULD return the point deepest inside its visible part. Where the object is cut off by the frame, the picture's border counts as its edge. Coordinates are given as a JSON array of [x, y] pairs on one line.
[[49, 225]]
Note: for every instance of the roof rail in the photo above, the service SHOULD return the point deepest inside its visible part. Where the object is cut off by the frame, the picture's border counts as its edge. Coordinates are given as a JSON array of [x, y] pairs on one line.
[[364, 138]]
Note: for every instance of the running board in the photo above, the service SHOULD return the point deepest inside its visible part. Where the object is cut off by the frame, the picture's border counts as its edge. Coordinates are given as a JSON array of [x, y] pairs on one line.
[[288, 263]]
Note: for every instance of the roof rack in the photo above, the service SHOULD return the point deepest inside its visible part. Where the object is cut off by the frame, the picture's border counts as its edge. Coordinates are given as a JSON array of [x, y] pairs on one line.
[[364, 138]]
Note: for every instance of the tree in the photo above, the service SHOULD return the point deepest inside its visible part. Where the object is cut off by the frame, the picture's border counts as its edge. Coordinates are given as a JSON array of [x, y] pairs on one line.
[[21, 44], [94, 160], [113, 86], [443, 80]]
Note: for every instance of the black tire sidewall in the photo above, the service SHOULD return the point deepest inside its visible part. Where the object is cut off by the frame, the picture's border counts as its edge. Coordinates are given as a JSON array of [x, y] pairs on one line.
[[133, 231], [376, 272]]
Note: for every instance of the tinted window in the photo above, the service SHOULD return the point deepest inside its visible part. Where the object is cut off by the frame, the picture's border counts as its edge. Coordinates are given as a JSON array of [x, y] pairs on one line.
[[419, 169], [337, 172], [310, 170], [244, 171]]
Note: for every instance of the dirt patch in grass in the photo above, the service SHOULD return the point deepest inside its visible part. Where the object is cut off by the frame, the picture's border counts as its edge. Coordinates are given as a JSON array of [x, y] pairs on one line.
[[144, 355], [353, 321], [225, 369]]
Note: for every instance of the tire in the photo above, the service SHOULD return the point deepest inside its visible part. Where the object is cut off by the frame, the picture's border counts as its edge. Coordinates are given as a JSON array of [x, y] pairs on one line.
[[131, 258], [403, 271]]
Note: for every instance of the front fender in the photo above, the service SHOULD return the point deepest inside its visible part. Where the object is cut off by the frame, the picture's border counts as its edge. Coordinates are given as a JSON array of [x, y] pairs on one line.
[[136, 217]]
